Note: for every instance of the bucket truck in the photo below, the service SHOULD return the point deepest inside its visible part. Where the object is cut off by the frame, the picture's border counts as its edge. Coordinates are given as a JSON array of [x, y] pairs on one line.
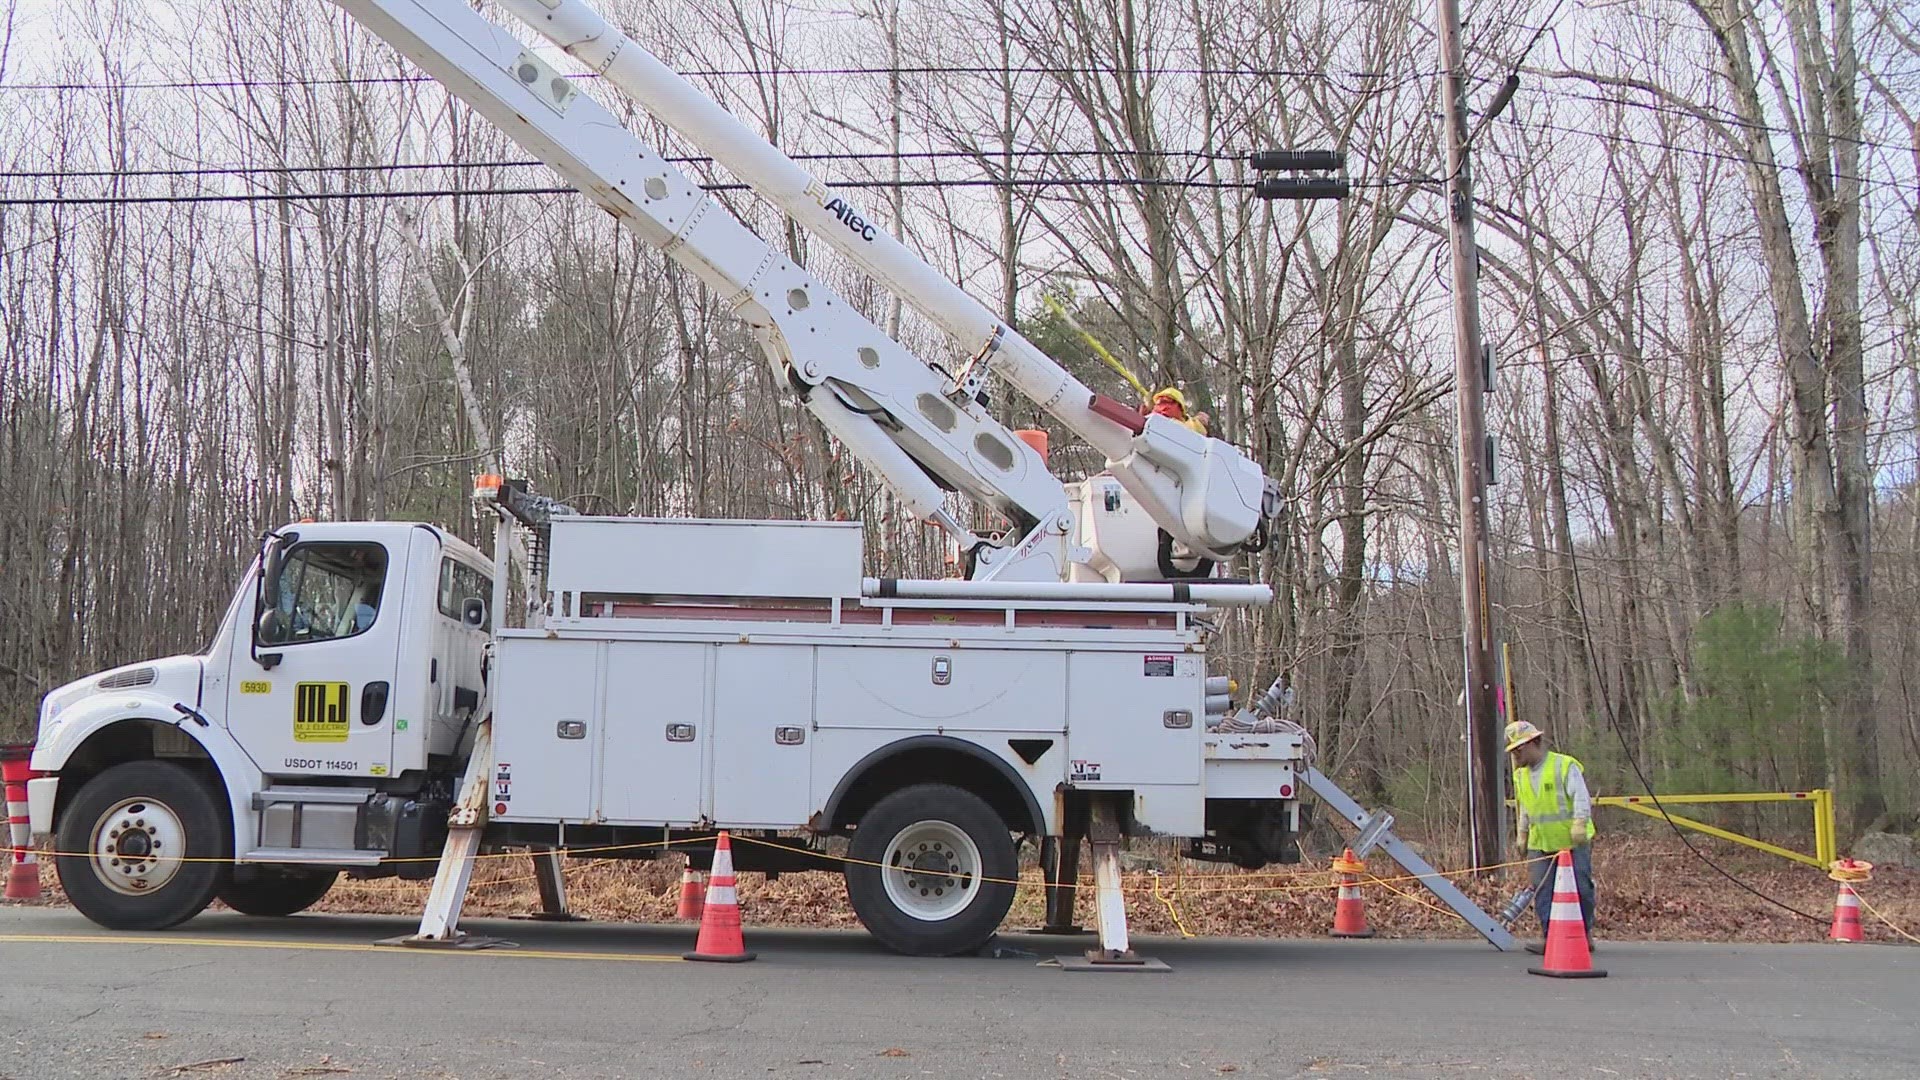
[[371, 704]]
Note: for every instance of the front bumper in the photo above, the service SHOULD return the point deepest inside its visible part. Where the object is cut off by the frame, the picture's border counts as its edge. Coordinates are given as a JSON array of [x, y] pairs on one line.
[[41, 793]]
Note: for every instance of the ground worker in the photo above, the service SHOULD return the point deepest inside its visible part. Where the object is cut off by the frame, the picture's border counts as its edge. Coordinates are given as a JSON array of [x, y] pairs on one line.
[[1172, 403], [1555, 814]]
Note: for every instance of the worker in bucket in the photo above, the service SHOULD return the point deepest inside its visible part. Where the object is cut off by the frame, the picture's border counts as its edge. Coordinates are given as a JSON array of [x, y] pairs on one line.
[[1171, 403], [1555, 814]]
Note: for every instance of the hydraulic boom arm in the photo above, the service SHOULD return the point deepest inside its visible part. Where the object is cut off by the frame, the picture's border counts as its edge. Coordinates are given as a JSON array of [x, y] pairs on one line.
[[1204, 492], [922, 429]]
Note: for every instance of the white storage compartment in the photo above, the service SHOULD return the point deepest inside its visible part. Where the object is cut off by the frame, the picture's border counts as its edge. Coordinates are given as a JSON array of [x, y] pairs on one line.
[[1252, 766], [951, 689], [1133, 718], [682, 557], [656, 732], [545, 727], [762, 734]]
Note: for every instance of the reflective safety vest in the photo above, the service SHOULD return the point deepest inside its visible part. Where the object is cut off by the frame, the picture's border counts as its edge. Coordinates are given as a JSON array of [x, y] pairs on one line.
[[1549, 808]]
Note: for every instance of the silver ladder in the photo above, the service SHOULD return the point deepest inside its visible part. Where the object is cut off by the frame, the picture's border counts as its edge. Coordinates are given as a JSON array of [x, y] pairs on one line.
[[1376, 831]]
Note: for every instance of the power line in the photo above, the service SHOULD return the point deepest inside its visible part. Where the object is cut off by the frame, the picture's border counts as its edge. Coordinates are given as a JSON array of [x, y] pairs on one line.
[[136, 200], [926, 69], [1715, 113], [1713, 154], [1613, 720], [271, 170]]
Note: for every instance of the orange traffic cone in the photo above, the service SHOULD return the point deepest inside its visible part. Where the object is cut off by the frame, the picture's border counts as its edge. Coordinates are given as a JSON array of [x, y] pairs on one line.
[[1846, 908], [23, 867], [1349, 911], [720, 938], [690, 902], [1567, 954], [1846, 916]]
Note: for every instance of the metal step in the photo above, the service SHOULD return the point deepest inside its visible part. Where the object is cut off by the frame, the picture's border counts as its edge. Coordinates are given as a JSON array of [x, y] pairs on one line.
[[329, 795], [313, 856]]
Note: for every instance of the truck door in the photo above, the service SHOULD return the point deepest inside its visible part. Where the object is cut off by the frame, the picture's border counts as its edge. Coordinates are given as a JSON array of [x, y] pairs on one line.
[[456, 682], [333, 617]]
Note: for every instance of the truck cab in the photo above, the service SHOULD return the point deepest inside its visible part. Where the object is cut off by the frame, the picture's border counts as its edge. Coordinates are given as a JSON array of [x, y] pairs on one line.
[[321, 729]]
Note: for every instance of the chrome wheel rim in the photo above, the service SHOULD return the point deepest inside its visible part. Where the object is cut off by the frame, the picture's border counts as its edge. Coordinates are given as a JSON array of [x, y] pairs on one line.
[[138, 846], [932, 870]]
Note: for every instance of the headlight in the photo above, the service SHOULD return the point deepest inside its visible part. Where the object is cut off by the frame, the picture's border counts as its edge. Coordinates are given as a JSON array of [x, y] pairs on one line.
[[59, 700]]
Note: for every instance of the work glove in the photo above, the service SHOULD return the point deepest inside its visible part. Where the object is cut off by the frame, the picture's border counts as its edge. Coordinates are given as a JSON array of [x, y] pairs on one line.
[[1580, 834]]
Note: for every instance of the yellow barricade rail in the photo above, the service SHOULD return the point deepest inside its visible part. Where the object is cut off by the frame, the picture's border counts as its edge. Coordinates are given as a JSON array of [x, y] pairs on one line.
[[1824, 843]]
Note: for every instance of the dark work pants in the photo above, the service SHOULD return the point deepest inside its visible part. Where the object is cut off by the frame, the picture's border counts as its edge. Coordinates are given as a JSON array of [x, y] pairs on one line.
[[1543, 873]]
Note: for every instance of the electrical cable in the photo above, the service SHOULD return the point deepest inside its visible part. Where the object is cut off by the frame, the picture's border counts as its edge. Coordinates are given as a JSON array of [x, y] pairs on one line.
[[1737, 159], [1718, 114], [279, 170], [292, 196], [1606, 704], [734, 73]]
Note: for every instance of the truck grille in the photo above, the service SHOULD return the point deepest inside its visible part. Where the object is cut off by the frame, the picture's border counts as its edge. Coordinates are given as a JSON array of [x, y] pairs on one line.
[[121, 680]]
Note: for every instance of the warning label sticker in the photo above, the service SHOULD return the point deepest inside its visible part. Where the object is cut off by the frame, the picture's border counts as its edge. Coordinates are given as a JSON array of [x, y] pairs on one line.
[[320, 712], [1159, 667]]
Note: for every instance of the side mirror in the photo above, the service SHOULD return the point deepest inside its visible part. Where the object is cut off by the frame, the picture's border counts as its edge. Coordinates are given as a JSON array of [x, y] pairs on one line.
[[473, 612], [271, 627], [275, 563]]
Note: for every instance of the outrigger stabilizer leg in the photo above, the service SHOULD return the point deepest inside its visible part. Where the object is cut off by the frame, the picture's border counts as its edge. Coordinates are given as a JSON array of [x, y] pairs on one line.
[[553, 888], [440, 923], [1060, 868], [1115, 951]]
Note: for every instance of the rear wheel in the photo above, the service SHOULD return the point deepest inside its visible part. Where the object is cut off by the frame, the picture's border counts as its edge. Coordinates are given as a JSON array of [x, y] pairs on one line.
[[933, 870], [144, 846], [278, 891]]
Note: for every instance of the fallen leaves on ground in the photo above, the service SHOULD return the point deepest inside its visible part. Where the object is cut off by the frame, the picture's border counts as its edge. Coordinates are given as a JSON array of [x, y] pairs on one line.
[[1650, 888]]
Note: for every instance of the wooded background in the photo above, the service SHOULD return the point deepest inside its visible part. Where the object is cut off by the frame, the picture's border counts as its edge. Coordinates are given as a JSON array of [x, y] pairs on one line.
[[228, 302]]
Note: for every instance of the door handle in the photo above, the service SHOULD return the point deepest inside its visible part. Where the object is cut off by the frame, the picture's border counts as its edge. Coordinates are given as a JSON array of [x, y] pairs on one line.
[[373, 703]]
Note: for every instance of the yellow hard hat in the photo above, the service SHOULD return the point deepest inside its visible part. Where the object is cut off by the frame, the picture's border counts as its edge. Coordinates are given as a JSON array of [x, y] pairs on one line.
[[1179, 398], [1519, 733]]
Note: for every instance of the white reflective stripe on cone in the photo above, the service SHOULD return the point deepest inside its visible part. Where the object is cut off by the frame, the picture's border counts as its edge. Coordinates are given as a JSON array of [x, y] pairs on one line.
[[1566, 912], [721, 896]]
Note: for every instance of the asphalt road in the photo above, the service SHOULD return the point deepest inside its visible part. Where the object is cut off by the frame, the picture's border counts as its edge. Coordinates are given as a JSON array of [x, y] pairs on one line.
[[310, 997]]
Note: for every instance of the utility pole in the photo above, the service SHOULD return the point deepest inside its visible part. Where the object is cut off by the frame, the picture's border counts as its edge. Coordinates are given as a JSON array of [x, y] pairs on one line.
[[1484, 751]]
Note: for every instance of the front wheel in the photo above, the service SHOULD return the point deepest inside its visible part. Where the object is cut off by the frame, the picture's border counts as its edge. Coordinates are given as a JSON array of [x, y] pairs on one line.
[[276, 892], [144, 846], [932, 870]]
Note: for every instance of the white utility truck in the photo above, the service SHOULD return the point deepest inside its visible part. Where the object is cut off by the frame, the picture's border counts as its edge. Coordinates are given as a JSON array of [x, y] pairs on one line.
[[656, 680]]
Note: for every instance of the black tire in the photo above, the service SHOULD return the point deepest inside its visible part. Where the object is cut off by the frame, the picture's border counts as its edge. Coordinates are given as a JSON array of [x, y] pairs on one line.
[[963, 930], [171, 807], [277, 891]]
